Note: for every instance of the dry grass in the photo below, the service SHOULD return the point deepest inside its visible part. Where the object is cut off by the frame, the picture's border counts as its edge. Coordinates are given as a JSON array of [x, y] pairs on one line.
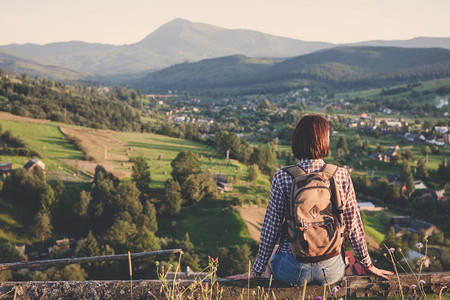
[[253, 216], [103, 147], [11, 117]]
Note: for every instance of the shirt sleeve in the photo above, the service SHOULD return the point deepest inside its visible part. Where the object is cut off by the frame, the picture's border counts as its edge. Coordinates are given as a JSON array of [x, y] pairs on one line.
[[353, 224], [273, 219]]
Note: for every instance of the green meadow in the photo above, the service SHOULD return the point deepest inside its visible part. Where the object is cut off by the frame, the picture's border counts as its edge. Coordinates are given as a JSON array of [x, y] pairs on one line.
[[210, 225], [46, 139]]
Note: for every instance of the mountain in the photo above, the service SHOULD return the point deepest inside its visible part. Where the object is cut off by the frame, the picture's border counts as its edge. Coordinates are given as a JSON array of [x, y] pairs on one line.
[[19, 64], [181, 41], [337, 67], [419, 42], [175, 42]]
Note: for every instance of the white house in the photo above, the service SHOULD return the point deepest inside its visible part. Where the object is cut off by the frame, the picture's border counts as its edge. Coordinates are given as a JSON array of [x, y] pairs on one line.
[[441, 129]]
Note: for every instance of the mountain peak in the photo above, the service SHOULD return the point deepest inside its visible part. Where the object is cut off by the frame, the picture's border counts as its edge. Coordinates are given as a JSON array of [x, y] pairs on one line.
[[178, 31]]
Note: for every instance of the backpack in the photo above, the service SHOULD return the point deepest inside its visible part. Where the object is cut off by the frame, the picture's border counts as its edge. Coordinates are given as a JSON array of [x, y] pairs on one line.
[[315, 225]]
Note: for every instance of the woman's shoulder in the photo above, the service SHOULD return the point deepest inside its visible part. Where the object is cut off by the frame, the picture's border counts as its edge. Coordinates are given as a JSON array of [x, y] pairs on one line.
[[342, 174], [282, 177]]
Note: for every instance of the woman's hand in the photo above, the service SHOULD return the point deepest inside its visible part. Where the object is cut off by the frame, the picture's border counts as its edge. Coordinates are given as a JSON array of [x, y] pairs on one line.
[[240, 276], [379, 272]]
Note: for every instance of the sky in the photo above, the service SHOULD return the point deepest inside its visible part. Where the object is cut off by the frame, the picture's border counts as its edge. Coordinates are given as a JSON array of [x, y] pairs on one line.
[[122, 22]]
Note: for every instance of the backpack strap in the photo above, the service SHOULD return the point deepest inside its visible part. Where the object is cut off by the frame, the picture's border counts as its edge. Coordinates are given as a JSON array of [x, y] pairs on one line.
[[329, 170], [294, 170]]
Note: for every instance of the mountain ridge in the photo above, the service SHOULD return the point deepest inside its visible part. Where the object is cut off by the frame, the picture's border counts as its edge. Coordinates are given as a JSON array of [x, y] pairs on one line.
[[175, 42], [337, 67]]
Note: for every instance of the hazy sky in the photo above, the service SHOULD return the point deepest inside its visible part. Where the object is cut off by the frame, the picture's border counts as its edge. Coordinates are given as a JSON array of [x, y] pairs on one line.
[[128, 21]]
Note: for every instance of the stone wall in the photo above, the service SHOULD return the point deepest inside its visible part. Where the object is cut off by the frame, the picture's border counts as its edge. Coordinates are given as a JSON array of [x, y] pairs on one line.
[[350, 287]]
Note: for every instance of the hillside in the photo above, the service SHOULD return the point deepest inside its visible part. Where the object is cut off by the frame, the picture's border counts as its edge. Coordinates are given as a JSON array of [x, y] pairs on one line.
[[20, 64], [219, 72], [113, 151], [338, 67]]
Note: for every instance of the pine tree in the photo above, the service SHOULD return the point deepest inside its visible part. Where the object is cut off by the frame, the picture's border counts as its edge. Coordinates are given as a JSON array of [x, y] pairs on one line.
[[342, 144], [422, 171], [172, 199], [141, 175], [253, 172], [43, 228]]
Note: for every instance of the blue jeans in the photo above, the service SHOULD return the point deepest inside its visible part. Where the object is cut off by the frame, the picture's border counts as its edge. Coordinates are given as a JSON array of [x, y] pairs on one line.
[[287, 269]]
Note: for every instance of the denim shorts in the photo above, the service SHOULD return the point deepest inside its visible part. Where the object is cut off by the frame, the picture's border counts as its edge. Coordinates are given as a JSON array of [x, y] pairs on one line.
[[289, 270]]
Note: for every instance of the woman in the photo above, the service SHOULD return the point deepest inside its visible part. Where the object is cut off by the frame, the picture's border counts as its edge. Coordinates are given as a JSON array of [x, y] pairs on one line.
[[310, 144]]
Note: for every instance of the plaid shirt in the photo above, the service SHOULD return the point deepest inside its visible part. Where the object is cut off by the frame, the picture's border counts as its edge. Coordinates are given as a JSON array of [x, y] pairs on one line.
[[278, 208]]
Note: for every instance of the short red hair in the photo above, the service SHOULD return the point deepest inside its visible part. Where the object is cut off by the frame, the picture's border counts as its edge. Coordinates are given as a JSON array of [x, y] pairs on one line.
[[311, 138]]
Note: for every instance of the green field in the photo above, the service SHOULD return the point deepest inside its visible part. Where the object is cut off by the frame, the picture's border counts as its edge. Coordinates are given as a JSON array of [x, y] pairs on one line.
[[381, 169], [210, 225], [377, 223], [46, 139], [12, 227]]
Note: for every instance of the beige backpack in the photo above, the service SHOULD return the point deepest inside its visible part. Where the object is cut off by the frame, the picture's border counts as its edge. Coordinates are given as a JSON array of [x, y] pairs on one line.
[[315, 224]]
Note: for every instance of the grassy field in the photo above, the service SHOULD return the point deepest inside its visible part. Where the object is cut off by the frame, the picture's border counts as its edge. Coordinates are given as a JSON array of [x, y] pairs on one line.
[[381, 169], [210, 225], [13, 226], [46, 139], [378, 223], [375, 93]]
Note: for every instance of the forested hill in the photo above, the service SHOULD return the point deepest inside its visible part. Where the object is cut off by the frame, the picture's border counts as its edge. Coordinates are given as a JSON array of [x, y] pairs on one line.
[[226, 71], [351, 67], [108, 108]]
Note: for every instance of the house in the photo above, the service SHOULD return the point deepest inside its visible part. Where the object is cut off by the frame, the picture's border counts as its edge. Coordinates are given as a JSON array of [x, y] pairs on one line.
[[5, 168], [413, 137], [440, 194], [393, 179], [389, 154], [32, 163], [441, 129], [369, 206], [394, 148], [222, 183], [431, 139], [439, 142], [405, 222], [376, 156], [441, 103], [418, 257], [419, 185]]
